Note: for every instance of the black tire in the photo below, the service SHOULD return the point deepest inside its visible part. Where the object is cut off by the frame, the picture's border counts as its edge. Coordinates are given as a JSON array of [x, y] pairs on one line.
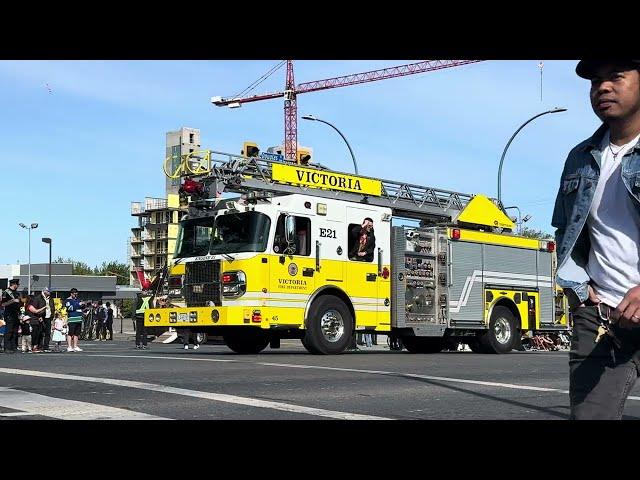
[[335, 337], [247, 342], [423, 344], [201, 338], [502, 334]]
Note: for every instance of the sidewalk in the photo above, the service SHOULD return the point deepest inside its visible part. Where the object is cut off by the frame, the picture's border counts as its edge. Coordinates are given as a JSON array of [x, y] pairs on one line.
[[126, 326]]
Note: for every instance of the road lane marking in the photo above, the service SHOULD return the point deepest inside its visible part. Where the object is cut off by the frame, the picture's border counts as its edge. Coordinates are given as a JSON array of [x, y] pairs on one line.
[[35, 404], [219, 397], [355, 370]]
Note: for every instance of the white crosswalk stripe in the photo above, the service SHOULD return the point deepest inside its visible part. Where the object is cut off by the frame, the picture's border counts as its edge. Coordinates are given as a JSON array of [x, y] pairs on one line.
[[28, 403], [219, 397]]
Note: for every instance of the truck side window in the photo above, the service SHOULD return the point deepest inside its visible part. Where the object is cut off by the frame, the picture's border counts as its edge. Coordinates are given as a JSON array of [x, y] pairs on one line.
[[362, 241], [302, 244]]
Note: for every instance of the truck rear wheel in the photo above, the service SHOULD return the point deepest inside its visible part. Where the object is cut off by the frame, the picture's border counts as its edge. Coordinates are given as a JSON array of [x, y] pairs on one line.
[[502, 333], [423, 344], [329, 326], [249, 342]]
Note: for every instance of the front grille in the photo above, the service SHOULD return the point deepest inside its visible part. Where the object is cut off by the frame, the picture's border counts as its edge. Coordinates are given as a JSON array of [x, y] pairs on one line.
[[202, 283], [202, 272]]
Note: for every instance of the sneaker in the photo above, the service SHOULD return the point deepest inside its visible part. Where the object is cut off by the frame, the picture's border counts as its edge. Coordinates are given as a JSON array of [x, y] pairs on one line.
[[70, 349], [77, 349], [186, 347], [144, 347], [196, 346], [47, 350], [137, 347]]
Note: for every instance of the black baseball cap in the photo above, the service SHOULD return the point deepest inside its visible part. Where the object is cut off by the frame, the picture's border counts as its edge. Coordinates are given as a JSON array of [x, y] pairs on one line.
[[14, 281], [586, 68]]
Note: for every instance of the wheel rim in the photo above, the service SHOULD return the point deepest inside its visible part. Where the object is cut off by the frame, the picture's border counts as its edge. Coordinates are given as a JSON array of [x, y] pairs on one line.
[[502, 330], [332, 326]]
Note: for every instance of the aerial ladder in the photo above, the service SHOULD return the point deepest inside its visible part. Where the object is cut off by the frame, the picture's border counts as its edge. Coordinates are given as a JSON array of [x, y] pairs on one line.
[[208, 174]]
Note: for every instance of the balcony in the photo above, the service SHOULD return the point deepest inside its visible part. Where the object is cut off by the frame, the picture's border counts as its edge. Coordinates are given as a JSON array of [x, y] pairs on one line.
[[137, 208], [155, 203]]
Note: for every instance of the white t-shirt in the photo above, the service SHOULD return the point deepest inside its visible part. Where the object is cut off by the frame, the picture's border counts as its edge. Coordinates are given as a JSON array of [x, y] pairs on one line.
[[614, 230]]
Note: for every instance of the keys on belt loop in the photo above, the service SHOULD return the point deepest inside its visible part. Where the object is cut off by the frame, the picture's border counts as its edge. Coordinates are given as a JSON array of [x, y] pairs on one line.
[[605, 325]]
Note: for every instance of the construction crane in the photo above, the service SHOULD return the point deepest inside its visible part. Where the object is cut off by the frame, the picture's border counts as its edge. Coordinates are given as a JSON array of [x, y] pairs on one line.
[[291, 91]]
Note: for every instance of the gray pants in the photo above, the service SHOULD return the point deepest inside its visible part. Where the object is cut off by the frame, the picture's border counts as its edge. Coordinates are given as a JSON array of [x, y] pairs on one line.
[[600, 374]]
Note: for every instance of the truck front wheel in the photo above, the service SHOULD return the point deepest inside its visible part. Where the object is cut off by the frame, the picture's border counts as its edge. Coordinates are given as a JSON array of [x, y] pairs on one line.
[[329, 326]]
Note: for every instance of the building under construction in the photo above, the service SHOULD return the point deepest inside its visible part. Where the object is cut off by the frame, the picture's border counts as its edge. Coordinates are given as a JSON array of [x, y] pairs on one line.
[[153, 238]]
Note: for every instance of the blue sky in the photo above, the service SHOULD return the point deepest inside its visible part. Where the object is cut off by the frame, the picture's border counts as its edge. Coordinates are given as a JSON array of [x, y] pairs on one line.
[[74, 159]]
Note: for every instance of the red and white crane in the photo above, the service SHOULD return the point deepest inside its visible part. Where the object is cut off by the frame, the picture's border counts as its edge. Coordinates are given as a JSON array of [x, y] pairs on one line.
[[292, 90]]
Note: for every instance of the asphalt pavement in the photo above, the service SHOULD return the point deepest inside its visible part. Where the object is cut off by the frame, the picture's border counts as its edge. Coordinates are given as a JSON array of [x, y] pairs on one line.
[[113, 380]]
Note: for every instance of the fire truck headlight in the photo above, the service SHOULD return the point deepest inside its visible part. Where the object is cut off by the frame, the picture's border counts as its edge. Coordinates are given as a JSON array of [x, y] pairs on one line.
[[151, 317], [215, 316], [157, 317], [230, 289], [234, 284]]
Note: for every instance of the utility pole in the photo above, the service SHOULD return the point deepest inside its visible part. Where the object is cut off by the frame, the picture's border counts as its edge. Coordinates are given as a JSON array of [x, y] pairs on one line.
[[541, 66]]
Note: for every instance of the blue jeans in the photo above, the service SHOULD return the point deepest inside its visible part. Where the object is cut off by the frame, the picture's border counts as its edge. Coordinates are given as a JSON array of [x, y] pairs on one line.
[[601, 375]]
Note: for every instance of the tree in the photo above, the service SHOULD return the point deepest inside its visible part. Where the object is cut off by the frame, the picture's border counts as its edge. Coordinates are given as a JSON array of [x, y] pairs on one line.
[[538, 234], [113, 267], [121, 270], [128, 308], [79, 268]]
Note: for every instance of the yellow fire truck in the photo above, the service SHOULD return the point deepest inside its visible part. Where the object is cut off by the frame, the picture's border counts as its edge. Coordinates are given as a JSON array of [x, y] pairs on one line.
[[274, 262]]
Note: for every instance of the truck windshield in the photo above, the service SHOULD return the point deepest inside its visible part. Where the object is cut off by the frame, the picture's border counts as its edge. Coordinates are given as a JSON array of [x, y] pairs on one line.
[[194, 237], [240, 232]]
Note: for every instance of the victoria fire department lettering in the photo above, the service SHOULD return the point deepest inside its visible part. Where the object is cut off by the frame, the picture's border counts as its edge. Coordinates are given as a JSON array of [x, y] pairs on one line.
[[326, 179], [329, 180]]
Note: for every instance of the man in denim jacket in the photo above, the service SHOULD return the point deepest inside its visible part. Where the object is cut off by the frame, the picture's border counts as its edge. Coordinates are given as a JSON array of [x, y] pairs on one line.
[[597, 217]]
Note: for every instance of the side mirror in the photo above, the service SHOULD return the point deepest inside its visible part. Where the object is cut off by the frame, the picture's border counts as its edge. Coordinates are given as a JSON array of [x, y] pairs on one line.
[[290, 229]]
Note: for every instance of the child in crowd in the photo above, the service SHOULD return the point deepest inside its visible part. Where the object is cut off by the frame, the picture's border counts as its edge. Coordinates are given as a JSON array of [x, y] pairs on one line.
[[25, 323], [59, 332]]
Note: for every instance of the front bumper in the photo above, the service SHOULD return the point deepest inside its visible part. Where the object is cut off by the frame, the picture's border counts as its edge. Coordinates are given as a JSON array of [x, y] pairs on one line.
[[207, 317]]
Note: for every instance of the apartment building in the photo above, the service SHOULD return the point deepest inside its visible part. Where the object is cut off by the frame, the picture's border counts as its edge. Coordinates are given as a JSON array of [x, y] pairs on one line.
[[153, 239]]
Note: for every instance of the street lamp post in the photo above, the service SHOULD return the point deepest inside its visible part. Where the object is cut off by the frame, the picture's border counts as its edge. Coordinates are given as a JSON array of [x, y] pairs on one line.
[[30, 227], [555, 110], [48, 240], [353, 157]]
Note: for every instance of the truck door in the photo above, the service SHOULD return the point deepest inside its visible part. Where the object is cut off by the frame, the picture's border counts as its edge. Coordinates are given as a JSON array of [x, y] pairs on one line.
[[292, 269], [362, 265]]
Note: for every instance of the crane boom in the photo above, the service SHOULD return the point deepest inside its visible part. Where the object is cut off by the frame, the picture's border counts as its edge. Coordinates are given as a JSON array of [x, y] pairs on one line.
[[382, 74], [291, 91]]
